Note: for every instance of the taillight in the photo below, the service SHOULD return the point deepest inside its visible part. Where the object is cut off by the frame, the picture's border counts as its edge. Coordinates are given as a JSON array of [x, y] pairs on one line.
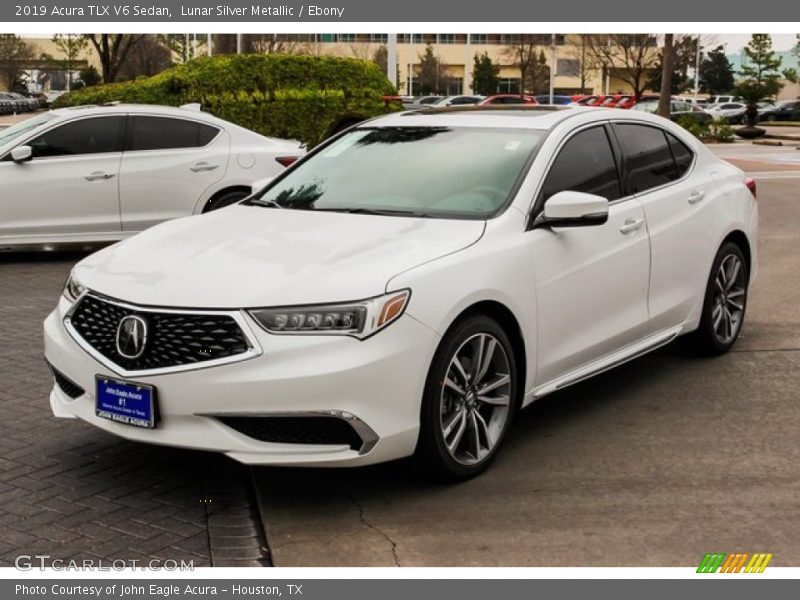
[[286, 160], [751, 185]]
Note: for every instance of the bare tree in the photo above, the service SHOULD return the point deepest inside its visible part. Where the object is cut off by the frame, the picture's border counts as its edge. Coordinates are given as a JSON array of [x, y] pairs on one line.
[[581, 61], [631, 57], [149, 57], [272, 43], [665, 94], [524, 51], [113, 50]]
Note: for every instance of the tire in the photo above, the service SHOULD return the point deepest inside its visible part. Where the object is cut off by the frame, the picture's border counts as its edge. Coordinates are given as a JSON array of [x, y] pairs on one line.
[[724, 303], [452, 413], [225, 199]]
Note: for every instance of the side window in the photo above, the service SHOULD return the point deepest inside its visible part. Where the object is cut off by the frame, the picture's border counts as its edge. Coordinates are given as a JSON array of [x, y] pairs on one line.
[[649, 159], [585, 164], [681, 153], [164, 133], [84, 136]]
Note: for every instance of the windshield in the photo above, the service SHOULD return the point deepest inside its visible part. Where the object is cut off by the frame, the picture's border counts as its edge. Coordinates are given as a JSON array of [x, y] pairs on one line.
[[23, 127], [422, 171]]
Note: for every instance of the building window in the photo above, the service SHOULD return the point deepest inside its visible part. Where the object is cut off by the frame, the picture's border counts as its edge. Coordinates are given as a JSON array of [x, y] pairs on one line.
[[347, 37], [508, 85], [478, 38], [568, 67], [380, 38], [447, 38]]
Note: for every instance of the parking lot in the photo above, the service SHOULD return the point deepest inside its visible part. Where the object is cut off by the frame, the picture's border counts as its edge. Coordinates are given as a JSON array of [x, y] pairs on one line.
[[655, 463]]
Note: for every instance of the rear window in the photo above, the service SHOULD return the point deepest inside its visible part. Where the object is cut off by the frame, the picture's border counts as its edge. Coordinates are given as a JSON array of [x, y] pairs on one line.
[[649, 158], [164, 133], [465, 172]]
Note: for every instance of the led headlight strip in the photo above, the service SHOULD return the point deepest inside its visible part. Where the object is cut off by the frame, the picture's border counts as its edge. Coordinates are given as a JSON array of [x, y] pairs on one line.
[[359, 319]]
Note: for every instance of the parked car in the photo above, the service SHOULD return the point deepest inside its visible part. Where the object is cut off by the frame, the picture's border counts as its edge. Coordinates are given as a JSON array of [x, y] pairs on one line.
[[559, 100], [456, 101], [351, 313], [17, 104], [508, 99], [99, 173], [722, 99], [24, 103], [787, 110], [7, 105], [677, 109], [733, 112]]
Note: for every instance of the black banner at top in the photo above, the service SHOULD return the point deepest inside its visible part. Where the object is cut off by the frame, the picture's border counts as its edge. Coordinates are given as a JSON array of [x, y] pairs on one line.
[[374, 11]]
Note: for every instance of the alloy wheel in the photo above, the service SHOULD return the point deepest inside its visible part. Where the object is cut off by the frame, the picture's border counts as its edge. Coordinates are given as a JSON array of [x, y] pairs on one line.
[[729, 299], [475, 399]]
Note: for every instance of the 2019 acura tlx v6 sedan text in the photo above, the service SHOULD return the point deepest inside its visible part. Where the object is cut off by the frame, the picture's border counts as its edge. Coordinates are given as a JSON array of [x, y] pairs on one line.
[[408, 286]]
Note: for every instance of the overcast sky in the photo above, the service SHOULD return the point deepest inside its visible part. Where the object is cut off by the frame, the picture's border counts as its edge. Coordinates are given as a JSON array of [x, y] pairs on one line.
[[735, 41]]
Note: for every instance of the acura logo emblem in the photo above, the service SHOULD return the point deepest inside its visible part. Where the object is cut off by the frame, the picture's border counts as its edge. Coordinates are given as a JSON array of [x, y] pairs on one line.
[[131, 336]]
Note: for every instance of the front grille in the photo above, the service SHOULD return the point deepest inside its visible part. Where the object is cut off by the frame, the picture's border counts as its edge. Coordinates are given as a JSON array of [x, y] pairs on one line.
[[297, 430], [174, 339], [70, 388]]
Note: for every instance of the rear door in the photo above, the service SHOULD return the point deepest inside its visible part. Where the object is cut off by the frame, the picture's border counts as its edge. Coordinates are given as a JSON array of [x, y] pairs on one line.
[[168, 164], [677, 196], [70, 187]]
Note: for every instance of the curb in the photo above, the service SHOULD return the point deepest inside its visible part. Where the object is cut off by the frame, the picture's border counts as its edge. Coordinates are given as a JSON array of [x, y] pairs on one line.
[[235, 534]]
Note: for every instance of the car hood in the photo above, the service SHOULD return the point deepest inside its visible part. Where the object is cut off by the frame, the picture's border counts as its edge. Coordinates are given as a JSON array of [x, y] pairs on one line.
[[250, 256]]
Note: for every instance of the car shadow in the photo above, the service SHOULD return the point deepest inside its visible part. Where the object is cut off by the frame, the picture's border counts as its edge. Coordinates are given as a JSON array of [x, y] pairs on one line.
[[548, 417]]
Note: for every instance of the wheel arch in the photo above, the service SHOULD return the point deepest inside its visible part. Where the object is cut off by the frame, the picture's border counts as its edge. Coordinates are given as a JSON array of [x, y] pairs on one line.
[[739, 237], [221, 192], [511, 325]]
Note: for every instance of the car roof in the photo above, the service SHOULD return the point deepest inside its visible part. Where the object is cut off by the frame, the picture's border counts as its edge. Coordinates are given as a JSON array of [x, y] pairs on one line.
[[191, 111], [512, 116]]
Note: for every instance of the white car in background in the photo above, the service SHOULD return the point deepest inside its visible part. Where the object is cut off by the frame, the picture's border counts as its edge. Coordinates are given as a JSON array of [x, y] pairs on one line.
[[730, 111], [102, 173], [408, 286]]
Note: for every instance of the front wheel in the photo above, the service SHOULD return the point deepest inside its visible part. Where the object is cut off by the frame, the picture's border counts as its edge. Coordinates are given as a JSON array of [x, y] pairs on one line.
[[469, 400], [724, 304]]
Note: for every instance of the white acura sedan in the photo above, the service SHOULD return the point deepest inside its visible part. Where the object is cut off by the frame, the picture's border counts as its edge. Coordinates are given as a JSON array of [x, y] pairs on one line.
[[407, 287], [103, 173]]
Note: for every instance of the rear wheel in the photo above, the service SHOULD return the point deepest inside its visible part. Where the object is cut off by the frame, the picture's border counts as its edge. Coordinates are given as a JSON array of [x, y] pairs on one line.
[[225, 199], [469, 400], [724, 304]]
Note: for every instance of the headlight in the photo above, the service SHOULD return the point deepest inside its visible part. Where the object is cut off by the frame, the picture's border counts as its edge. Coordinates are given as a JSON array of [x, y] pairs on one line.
[[73, 289], [358, 319]]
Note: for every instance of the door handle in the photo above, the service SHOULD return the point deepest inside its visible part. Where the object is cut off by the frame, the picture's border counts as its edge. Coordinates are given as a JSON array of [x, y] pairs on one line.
[[695, 197], [203, 166], [631, 225], [95, 175]]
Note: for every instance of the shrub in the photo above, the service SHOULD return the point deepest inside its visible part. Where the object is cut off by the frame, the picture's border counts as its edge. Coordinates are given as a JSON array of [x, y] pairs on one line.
[[281, 95], [718, 130]]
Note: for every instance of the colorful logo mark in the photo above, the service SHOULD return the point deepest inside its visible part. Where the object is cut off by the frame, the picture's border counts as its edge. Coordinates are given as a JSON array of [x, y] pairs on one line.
[[737, 562]]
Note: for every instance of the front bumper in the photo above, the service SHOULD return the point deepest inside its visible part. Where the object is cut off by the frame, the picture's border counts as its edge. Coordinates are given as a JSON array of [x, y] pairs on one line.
[[378, 382]]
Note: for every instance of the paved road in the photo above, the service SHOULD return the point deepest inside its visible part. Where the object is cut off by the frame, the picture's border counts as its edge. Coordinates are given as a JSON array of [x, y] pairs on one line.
[[652, 464], [71, 491]]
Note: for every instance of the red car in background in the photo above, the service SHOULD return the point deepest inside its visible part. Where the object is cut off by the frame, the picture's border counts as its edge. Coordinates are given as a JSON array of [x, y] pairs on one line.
[[508, 99], [618, 101]]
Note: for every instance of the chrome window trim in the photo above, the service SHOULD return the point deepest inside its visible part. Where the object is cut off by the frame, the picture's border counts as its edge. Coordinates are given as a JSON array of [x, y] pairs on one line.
[[254, 348], [365, 432]]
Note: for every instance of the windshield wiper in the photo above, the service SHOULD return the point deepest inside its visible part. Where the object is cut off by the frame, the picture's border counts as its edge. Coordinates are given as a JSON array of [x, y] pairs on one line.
[[385, 212], [264, 202]]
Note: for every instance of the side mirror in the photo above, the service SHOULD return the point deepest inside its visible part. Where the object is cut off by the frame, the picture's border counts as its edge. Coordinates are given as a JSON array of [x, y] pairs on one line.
[[22, 154], [573, 209]]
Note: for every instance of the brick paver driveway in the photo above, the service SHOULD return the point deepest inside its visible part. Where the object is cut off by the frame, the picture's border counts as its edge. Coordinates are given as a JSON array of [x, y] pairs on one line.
[[71, 491]]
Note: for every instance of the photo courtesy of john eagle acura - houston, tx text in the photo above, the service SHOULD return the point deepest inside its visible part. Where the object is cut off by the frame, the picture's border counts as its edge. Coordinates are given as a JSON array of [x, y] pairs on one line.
[[408, 286]]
